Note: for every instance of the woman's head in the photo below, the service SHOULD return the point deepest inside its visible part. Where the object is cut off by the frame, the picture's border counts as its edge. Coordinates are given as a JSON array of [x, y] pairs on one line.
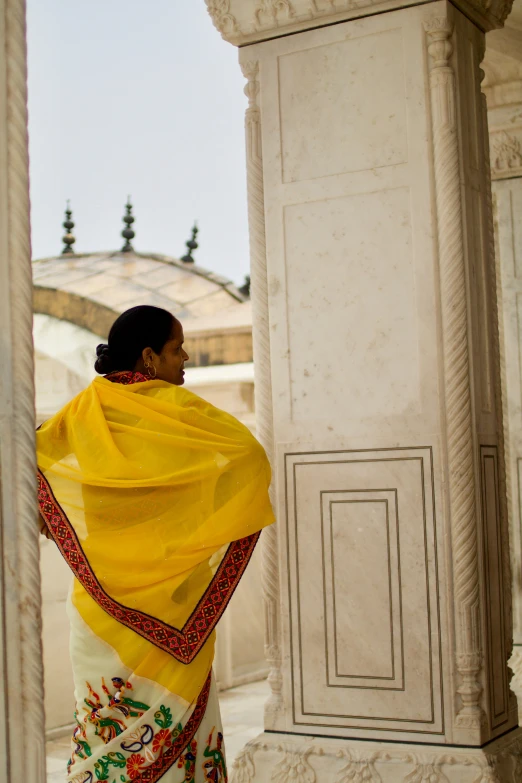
[[145, 339]]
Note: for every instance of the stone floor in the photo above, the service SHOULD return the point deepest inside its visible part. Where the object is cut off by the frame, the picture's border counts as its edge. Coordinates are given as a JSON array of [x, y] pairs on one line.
[[241, 711]]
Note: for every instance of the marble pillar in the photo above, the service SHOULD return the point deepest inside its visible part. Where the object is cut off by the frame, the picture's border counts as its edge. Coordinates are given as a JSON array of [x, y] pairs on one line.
[[505, 121], [378, 396], [22, 755]]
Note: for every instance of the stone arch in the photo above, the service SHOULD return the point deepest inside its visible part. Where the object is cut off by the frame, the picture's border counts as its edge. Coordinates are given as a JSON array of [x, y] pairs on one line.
[[78, 310]]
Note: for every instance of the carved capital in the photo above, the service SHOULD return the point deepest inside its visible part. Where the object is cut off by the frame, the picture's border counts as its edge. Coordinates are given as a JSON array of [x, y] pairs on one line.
[[505, 132], [224, 21], [440, 47], [272, 13], [246, 21], [250, 70], [506, 153]]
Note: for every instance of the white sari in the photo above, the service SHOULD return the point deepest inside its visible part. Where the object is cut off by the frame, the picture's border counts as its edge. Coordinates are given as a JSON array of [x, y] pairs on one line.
[[129, 727]]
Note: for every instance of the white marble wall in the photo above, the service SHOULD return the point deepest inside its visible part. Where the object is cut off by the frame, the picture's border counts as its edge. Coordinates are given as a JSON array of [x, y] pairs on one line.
[[359, 412], [370, 215]]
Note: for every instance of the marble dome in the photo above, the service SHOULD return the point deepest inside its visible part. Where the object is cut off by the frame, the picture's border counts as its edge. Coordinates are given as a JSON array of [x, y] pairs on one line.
[[93, 288], [90, 290]]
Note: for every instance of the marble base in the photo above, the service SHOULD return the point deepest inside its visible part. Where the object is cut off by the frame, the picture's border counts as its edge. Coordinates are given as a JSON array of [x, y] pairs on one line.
[[281, 757]]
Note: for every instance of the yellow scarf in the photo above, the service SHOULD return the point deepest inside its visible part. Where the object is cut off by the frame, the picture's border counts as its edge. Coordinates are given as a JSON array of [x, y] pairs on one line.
[[155, 499]]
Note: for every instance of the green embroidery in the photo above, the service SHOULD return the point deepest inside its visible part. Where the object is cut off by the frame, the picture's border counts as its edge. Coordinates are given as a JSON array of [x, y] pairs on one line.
[[103, 723], [139, 706], [85, 748], [216, 769], [163, 717], [187, 760], [82, 749], [101, 767]]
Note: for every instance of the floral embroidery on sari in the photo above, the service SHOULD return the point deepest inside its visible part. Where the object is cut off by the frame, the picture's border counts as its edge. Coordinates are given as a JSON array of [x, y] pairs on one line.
[[109, 720], [147, 753], [101, 767]]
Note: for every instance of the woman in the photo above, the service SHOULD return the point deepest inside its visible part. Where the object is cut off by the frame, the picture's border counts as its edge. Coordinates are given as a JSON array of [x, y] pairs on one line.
[[155, 499]]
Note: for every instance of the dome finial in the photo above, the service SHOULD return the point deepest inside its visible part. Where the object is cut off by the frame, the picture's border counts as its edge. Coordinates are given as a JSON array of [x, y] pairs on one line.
[[191, 245], [245, 288], [68, 238], [127, 232]]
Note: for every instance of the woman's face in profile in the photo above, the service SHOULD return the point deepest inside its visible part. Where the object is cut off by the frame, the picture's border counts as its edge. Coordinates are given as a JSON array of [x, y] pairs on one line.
[[170, 362]]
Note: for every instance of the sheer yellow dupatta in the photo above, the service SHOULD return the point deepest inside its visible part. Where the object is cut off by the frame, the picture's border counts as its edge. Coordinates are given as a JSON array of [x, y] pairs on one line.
[[155, 499]]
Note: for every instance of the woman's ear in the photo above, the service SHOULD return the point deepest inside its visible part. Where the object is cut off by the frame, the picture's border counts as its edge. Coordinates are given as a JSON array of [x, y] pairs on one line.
[[147, 355]]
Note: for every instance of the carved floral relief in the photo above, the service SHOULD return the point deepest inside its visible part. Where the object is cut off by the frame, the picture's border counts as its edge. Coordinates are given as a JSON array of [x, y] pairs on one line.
[[506, 153]]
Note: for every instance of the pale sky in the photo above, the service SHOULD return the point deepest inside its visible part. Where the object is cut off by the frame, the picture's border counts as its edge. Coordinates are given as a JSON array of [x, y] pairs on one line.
[[141, 97]]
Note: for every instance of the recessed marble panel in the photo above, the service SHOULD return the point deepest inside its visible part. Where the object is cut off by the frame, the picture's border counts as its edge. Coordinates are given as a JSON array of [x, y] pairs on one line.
[[362, 594], [352, 257], [365, 630], [343, 107]]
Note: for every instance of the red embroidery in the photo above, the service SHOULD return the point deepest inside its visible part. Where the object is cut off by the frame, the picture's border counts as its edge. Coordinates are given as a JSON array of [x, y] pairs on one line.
[[158, 768], [183, 645], [126, 377]]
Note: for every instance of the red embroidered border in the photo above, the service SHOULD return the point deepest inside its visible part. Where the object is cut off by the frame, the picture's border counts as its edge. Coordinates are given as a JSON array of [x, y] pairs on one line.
[[156, 770], [183, 645], [127, 377]]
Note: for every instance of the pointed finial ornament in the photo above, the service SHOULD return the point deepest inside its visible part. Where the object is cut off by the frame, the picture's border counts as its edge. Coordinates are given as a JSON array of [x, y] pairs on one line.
[[127, 232], [245, 288], [68, 238], [191, 245]]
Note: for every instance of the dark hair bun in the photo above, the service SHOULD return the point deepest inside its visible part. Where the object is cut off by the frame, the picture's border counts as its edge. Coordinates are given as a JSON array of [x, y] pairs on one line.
[[143, 326], [104, 363]]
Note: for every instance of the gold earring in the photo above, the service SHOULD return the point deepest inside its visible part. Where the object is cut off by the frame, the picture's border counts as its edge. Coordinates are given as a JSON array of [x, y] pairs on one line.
[[147, 367]]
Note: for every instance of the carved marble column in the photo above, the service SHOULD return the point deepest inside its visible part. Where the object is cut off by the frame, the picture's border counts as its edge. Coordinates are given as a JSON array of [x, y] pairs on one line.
[[505, 123], [21, 684], [377, 359]]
